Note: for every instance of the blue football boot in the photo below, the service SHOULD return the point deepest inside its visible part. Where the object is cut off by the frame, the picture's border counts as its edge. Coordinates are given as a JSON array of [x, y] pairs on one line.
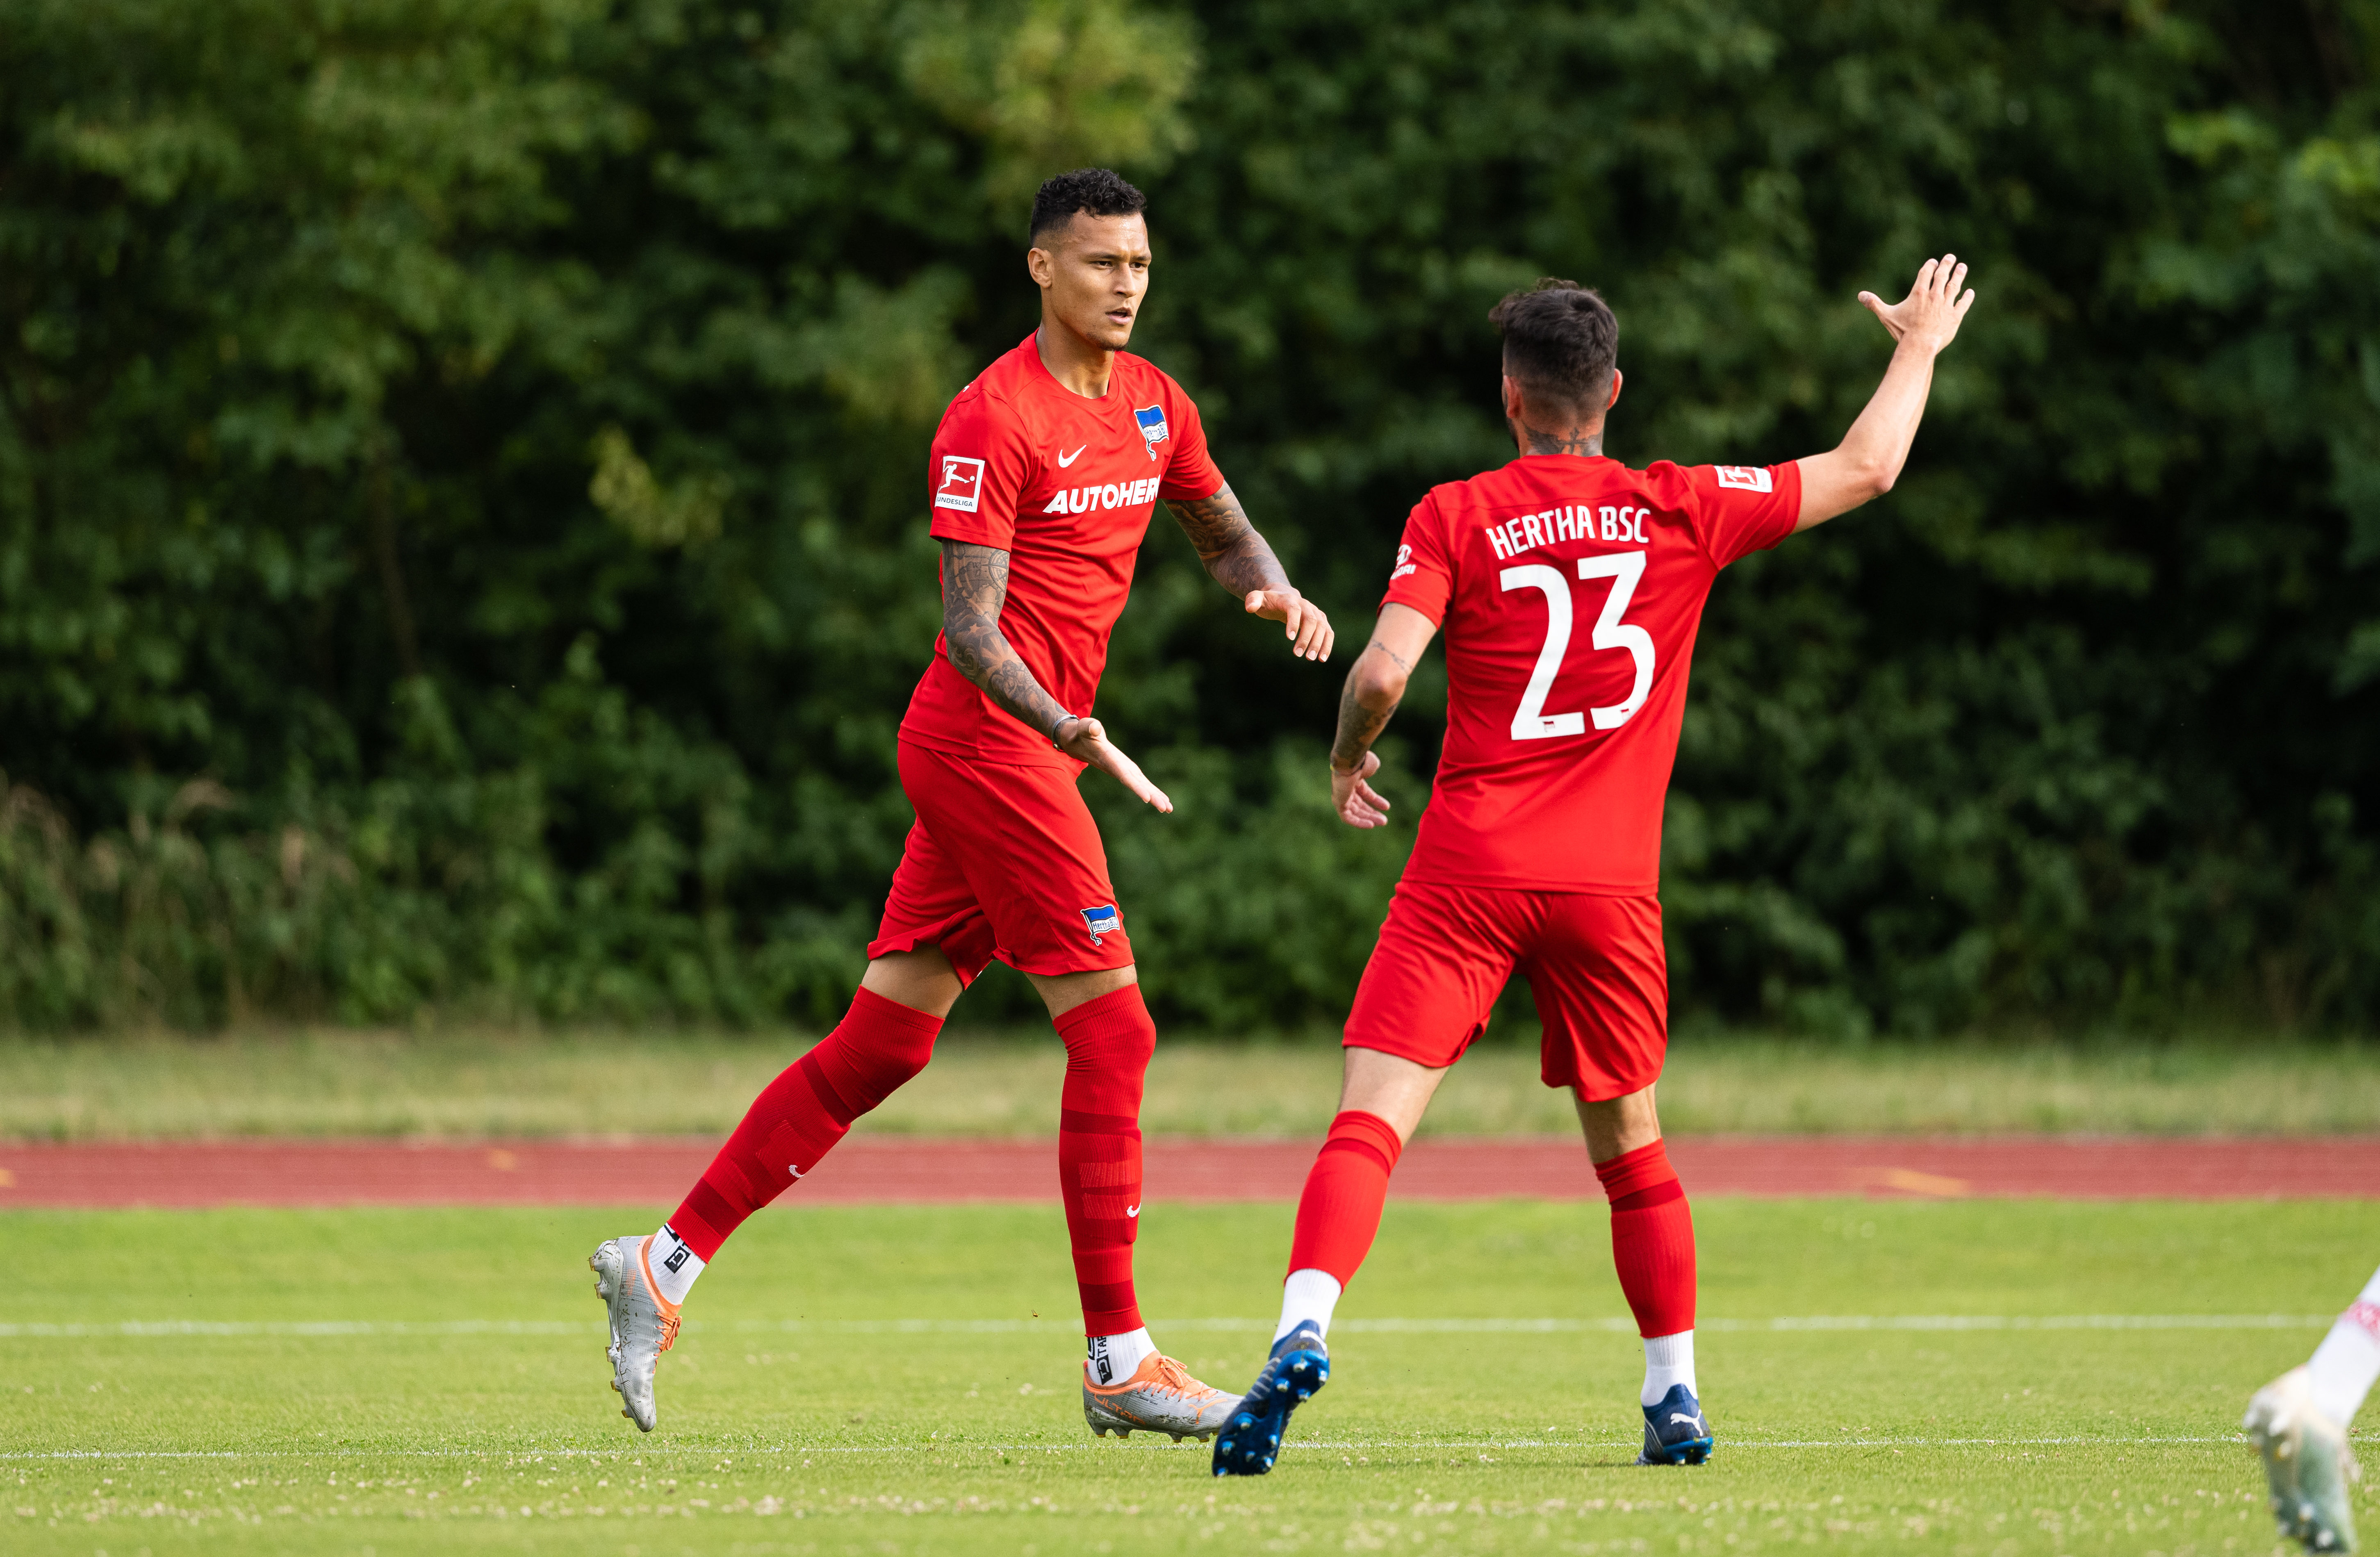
[[1250, 1440], [1675, 1433]]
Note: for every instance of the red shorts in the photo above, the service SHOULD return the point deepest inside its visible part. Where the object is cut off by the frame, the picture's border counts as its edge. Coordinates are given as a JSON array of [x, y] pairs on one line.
[[1595, 965], [1004, 861]]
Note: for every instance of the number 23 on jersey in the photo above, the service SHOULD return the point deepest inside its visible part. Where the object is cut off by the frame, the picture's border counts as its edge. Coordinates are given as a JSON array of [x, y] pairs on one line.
[[1624, 569]]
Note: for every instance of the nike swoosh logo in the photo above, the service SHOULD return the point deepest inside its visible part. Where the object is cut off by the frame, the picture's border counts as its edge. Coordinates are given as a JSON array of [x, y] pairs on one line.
[[794, 1168], [1132, 1211], [1066, 459]]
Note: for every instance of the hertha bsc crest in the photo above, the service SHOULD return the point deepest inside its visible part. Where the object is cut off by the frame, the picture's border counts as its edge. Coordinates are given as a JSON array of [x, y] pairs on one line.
[[1101, 920], [1152, 426]]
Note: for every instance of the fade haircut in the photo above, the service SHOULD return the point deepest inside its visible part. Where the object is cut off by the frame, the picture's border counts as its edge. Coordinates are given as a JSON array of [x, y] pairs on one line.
[[1560, 345], [1098, 191]]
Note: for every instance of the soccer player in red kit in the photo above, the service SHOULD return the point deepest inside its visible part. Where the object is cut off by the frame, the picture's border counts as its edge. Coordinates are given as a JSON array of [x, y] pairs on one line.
[[1042, 481], [1569, 587]]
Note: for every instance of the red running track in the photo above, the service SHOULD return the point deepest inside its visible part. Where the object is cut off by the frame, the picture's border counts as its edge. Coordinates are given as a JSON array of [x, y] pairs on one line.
[[891, 1168]]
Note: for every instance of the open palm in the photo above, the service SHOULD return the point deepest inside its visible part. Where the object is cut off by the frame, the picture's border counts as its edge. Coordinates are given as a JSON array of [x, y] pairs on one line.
[[1929, 316]]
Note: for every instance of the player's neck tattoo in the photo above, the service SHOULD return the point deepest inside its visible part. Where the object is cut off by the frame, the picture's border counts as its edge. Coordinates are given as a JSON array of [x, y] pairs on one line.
[[1543, 442]]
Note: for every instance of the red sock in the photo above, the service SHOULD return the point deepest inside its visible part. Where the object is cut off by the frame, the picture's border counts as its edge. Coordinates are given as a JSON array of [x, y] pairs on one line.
[[1651, 1239], [801, 1115], [1340, 1212], [1109, 1041]]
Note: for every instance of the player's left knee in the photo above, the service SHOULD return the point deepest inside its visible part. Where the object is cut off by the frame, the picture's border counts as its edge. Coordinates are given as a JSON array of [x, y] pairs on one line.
[[865, 1075], [1112, 1032]]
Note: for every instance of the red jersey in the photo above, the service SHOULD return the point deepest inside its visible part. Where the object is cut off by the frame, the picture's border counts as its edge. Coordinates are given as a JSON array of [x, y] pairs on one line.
[[1065, 486], [1569, 588]]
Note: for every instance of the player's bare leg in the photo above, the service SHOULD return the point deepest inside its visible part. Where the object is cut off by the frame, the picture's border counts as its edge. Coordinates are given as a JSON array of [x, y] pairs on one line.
[[1127, 1383], [2299, 1424], [883, 1040], [922, 980]]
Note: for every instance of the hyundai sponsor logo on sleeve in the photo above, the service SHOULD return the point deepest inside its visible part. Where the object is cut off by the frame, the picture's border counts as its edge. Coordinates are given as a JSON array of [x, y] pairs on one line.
[[1152, 426], [1101, 920], [962, 483]]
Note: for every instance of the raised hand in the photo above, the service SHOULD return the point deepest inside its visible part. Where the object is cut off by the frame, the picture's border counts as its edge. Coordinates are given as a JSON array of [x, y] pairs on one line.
[[1085, 740], [1359, 804], [1929, 316], [1308, 629]]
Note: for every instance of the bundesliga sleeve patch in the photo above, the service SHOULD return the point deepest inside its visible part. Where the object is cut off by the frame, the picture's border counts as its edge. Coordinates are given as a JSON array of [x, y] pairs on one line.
[[1745, 477], [1101, 920], [962, 483], [1152, 426]]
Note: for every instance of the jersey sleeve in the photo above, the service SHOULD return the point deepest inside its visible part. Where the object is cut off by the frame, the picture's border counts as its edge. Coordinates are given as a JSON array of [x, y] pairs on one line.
[[1424, 575], [1189, 473], [1739, 509], [978, 466]]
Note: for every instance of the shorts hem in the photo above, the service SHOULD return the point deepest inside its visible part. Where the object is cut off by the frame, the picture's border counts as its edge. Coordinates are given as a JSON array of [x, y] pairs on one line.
[[1042, 968], [1410, 1051], [1499, 883], [1623, 1091]]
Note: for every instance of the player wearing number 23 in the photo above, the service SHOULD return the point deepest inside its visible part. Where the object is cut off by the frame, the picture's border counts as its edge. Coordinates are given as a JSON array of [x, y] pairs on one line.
[[1569, 587]]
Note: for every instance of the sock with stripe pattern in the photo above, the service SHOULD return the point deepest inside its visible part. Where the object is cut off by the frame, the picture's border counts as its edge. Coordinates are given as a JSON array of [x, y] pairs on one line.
[[1338, 1212], [1109, 1041], [798, 1117], [1652, 1240]]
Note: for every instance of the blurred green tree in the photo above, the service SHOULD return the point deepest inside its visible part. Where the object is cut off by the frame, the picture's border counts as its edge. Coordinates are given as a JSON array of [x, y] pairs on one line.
[[461, 542]]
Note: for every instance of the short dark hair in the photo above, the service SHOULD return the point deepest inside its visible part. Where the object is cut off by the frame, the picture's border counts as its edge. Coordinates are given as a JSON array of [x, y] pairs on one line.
[[1560, 346], [1098, 190]]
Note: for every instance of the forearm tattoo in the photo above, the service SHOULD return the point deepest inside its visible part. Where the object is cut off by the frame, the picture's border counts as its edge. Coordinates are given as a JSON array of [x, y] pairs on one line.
[[974, 589], [1236, 555], [1360, 724]]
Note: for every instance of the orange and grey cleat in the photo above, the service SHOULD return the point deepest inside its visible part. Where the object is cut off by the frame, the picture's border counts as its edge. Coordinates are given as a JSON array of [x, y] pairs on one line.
[[1158, 1397], [644, 1323]]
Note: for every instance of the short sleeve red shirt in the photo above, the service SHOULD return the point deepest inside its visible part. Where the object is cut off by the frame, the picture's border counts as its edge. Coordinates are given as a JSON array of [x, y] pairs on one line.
[[1569, 590], [1065, 486]]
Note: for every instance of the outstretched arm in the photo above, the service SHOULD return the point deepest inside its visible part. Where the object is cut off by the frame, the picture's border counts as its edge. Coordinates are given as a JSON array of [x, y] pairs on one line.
[[1870, 456], [1376, 684], [1237, 558], [974, 591]]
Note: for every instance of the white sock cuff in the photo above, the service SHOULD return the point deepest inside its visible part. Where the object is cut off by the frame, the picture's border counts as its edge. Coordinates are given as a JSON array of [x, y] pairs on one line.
[[1307, 1294], [2342, 1371], [1670, 1351], [1113, 1358], [674, 1264], [1669, 1361]]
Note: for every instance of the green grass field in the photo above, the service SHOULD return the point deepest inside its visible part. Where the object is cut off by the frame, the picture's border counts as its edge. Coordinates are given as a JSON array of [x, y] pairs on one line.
[[467, 1083], [901, 1381]]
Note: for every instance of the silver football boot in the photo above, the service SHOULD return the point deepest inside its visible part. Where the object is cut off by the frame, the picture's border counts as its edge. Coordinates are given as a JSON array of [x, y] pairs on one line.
[[2308, 1465], [1160, 1396], [644, 1323]]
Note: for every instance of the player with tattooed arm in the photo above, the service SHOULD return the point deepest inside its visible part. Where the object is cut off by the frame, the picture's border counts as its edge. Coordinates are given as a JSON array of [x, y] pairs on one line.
[[1569, 587], [1042, 478]]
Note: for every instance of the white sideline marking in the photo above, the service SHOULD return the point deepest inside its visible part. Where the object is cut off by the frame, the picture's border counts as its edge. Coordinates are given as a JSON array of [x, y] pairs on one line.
[[655, 1451], [1613, 1325]]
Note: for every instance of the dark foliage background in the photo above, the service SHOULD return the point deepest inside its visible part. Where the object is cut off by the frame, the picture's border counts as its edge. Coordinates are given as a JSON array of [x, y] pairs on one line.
[[461, 520]]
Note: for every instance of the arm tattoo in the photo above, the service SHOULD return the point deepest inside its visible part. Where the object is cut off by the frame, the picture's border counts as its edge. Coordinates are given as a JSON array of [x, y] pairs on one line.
[[974, 589], [1555, 443], [1236, 555], [1360, 724]]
